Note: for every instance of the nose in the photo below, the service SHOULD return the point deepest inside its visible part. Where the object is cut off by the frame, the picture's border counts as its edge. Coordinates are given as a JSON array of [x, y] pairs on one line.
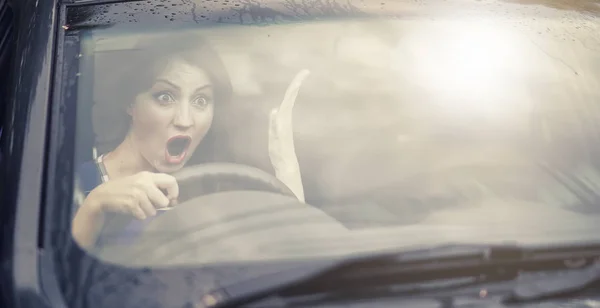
[[183, 118]]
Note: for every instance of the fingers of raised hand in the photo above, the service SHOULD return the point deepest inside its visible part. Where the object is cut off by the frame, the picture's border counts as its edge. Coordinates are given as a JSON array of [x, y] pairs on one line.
[[273, 126], [292, 92], [280, 119]]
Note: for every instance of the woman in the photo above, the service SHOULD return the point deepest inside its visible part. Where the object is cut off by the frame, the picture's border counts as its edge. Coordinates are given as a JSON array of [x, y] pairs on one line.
[[174, 92]]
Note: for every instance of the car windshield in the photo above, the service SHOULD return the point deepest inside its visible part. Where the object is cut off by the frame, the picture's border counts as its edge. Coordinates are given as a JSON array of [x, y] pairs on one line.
[[297, 140]]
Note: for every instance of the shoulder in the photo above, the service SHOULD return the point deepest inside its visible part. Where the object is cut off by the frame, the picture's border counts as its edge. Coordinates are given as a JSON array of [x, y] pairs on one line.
[[88, 176]]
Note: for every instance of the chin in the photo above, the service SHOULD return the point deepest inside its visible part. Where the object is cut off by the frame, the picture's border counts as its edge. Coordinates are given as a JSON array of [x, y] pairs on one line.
[[169, 168]]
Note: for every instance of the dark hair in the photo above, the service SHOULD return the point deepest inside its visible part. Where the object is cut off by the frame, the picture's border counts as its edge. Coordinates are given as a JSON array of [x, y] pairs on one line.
[[137, 68]]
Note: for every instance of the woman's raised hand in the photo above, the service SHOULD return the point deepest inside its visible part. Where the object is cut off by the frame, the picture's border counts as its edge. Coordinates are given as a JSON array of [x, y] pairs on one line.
[[282, 151]]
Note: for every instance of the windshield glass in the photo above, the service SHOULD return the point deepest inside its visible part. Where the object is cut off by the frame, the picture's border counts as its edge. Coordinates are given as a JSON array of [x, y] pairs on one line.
[[299, 140]]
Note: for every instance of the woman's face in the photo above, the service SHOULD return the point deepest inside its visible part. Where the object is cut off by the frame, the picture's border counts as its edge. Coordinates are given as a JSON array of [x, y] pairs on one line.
[[172, 117]]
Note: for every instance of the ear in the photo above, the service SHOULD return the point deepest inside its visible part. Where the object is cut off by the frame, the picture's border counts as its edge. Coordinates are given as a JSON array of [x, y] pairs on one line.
[[130, 110]]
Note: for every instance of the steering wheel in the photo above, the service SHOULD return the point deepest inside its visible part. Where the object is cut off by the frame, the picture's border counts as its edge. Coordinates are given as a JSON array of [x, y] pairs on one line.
[[205, 192], [211, 178]]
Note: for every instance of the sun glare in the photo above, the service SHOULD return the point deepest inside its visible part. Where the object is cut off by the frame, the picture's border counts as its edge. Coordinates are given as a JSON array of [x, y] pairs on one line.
[[468, 63]]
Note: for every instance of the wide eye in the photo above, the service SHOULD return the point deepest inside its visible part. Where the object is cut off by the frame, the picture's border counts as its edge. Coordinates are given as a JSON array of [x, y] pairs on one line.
[[164, 98], [201, 102]]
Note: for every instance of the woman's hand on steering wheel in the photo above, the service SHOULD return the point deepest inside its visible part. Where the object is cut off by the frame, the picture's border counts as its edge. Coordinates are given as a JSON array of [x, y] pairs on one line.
[[282, 152], [139, 195]]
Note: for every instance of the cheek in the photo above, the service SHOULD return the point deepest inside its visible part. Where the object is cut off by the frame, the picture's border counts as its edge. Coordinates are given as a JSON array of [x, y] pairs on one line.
[[146, 119], [203, 122]]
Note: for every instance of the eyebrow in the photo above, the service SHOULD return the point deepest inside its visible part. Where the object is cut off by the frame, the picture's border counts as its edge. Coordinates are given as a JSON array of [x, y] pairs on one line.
[[207, 86]]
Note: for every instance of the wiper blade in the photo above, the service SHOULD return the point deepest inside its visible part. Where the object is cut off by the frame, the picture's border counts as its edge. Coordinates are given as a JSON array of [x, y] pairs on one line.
[[477, 263], [565, 284]]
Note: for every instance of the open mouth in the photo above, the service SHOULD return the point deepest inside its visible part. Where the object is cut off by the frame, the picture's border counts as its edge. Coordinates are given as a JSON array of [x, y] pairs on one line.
[[176, 149]]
